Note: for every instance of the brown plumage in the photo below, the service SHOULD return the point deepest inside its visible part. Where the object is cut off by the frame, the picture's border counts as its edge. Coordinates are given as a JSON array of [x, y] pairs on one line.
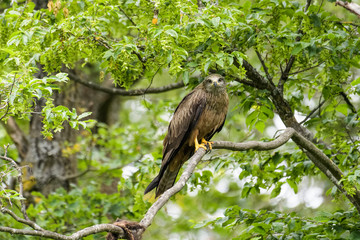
[[197, 118]]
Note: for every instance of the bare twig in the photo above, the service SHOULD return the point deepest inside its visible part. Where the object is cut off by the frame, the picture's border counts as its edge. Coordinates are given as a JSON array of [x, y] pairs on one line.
[[350, 6], [127, 16], [123, 92], [306, 69], [312, 112], [264, 66]]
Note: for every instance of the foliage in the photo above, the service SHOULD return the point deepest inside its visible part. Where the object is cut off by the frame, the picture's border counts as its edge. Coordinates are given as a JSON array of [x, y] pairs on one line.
[[119, 39]]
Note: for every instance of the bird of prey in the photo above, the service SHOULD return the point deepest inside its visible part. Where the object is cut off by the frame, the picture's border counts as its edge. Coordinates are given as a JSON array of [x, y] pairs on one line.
[[197, 118]]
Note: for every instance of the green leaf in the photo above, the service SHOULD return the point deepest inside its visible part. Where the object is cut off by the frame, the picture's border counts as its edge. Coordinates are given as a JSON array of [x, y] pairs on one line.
[[216, 21], [186, 77], [314, 18], [206, 66], [172, 33], [276, 191], [343, 108], [84, 115], [251, 118], [260, 126], [292, 184], [355, 82]]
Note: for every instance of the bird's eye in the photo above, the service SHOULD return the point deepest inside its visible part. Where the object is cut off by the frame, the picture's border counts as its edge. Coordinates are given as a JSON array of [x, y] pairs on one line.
[[208, 80], [221, 79]]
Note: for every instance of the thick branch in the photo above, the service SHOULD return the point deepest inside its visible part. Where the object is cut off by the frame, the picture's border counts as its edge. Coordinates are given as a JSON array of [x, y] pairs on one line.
[[352, 7], [123, 92]]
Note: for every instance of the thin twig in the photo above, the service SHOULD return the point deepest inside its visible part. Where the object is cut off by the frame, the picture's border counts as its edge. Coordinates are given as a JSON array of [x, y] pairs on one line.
[[306, 69], [123, 92], [127, 16], [312, 112], [246, 82], [264, 66]]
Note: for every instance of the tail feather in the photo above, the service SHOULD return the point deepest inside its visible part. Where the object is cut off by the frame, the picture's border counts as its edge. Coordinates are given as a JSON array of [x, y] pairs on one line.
[[167, 180], [154, 183]]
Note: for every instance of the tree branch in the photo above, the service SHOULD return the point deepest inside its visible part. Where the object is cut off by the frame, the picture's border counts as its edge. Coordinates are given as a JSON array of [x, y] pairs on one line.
[[352, 7], [127, 16], [306, 69], [123, 92], [312, 112], [347, 100], [264, 66], [196, 158], [285, 74], [246, 82], [78, 235], [20, 220], [308, 2], [287, 116]]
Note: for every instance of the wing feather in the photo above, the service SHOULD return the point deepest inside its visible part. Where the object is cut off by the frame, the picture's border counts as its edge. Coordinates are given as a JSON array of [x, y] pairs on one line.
[[185, 117], [183, 122]]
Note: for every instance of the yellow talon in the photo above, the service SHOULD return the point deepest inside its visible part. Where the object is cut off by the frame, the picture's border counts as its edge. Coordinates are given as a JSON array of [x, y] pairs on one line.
[[204, 144], [207, 144], [197, 145]]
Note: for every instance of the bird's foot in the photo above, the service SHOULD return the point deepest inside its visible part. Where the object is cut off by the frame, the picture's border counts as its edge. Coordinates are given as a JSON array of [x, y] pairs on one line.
[[208, 144], [204, 144]]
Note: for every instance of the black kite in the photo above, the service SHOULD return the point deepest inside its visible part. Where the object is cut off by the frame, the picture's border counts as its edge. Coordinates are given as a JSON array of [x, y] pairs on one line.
[[197, 118]]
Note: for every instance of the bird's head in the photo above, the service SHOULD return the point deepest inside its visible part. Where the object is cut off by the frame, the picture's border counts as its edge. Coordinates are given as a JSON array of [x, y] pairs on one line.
[[214, 83]]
